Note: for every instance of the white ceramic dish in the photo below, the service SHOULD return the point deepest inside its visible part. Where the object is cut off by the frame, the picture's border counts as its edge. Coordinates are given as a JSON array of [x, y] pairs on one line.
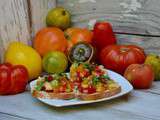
[[126, 87]]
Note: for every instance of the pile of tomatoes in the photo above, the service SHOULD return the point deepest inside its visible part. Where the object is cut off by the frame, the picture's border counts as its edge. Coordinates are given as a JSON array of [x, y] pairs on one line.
[[113, 56], [127, 60]]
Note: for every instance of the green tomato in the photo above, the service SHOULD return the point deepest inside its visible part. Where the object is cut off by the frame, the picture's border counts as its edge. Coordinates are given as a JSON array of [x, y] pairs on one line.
[[55, 62], [58, 17]]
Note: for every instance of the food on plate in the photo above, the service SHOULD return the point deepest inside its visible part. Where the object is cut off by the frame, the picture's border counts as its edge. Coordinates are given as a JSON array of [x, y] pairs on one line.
[[56, 86], [55, 62], [50, 39], [58, 17], [119, 57], [154, 61], [103, 35], [81, 52], [140, 75], [86, 82], [92, 81], [20, 54], [75, 35], [13, 79]]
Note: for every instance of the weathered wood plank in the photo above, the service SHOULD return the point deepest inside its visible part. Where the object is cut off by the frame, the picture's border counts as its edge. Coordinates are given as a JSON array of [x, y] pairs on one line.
[[138, 105], [150, 44], [14, 23], [155, 89], [126, 16], [38, 11], [4, 116]]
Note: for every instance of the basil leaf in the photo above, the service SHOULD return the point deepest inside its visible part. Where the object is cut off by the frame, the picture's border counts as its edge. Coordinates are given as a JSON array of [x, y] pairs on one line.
[[95, 80], [39, 87], [105, 77]]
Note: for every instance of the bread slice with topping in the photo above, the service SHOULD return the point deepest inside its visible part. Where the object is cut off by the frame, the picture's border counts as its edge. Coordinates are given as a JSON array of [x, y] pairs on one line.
[[92, 81], [56, 86]]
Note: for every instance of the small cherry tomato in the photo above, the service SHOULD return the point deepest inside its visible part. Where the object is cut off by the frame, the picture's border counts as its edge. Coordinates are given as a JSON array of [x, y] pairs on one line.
[[50, 78]]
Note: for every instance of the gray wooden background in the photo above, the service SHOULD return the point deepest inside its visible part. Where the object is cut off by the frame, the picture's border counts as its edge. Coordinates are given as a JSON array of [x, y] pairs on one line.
[[134, 21]]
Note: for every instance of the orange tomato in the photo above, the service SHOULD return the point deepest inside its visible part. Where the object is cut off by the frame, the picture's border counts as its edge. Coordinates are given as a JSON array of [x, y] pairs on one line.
[[50, 39], [75, 35]]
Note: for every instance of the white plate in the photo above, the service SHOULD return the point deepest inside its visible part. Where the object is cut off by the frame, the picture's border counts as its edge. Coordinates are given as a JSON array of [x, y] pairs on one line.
[[126, 87]]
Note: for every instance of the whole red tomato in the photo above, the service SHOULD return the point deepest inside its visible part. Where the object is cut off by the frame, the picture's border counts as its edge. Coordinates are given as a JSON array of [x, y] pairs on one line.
[[75, 35], [119, 57], [50, 39], [103, 35], [140, 75], [13, 79]]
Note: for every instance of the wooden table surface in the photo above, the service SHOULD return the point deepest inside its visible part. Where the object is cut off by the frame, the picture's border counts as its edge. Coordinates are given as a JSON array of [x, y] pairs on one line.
[[138, 105]]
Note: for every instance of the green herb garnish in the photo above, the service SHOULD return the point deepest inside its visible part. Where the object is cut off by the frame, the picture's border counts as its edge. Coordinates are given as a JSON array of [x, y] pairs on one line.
[[105, 77], [39, 87], [95, 80], [88, 66], [76, 64]]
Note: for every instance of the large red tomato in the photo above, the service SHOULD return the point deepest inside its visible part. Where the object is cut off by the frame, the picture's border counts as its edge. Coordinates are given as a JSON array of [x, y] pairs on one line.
[[103, 35], [13, 79], [119, 57], [75, 35], [50, 39], [140, 76]]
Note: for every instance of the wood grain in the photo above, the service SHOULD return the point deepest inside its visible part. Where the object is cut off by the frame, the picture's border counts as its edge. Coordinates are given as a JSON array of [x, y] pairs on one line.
[[150, 44], [14, 25], [38, 12], [126, 16], [139, 105], [4, 116], [155, 89]]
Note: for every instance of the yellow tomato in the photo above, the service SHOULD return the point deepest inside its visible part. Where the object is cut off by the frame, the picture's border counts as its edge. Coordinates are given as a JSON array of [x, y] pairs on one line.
[[21, 54]]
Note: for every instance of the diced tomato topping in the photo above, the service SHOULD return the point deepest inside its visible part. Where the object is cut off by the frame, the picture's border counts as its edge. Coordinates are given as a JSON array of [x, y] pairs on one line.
[[88, 90], [97, 69], [86, 73], [78, 74], [50, 78], [63, 82], [62, 89], [72, 85], [91, 89], [77, 83]]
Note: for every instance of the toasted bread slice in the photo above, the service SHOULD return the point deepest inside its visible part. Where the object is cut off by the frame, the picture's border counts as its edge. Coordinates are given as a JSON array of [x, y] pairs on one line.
[[81, 96], [51, 95], [99, 95]]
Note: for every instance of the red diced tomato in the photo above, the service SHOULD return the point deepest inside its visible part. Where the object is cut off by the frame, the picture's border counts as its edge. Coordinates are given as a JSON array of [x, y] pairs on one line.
[[91, 89], [50, 78], [78, 74], [62, 89], [88, 90], [63, 83], [86, 73]]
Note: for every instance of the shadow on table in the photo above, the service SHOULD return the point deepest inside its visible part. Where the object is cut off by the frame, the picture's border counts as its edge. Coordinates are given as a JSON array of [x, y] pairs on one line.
[[86, 107]]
